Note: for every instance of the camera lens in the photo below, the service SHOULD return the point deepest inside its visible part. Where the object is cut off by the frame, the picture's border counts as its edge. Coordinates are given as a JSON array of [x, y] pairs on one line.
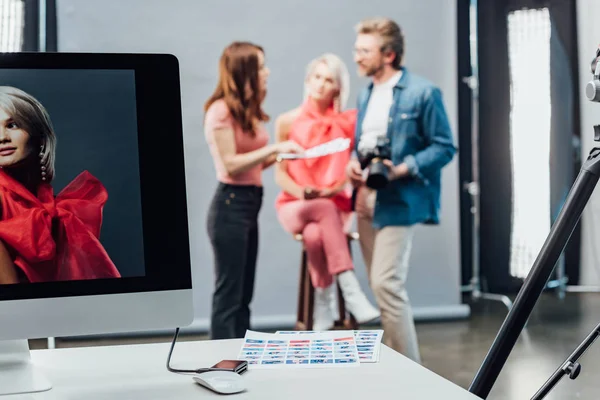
[[378, 175]]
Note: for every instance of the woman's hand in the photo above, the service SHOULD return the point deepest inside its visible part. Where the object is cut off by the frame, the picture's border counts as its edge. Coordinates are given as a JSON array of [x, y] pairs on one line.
[[311, 193], [289, 147], [323, 193], [332, 191], [327, 192], [235, 163]]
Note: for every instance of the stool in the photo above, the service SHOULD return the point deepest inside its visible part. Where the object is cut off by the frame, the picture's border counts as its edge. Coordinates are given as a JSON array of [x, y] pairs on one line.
[[306, 295]]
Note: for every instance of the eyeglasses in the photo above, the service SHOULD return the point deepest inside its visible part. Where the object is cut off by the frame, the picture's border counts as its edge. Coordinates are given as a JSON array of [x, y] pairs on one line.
[[362, 52], [366, 52]]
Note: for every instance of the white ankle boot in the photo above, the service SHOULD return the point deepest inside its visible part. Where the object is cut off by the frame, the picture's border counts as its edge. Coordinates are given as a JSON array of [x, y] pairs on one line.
[[356, 302], [323, 312]]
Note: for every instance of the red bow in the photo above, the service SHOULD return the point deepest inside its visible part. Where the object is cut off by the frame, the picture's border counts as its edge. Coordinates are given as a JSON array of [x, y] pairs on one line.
[[319, 128], [56, 238]]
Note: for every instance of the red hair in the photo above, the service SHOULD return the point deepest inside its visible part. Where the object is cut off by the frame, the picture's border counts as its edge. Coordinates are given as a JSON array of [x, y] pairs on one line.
[[239, 85]]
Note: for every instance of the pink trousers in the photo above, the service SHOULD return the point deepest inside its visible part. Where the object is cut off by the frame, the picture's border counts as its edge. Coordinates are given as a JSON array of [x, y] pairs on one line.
[[322, 226]]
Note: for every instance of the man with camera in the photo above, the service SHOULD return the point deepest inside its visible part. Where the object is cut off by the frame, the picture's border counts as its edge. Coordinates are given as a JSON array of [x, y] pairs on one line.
[[403, 140]]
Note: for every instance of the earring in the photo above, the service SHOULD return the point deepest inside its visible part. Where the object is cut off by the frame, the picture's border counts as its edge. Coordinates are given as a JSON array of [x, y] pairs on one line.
[[42, 167]]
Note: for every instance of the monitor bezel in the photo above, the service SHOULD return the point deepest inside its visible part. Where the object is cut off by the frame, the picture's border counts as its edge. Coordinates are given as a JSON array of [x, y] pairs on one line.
[[162, 183]]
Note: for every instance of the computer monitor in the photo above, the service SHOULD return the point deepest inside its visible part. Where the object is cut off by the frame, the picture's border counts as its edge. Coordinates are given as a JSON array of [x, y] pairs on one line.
[[93, 217]]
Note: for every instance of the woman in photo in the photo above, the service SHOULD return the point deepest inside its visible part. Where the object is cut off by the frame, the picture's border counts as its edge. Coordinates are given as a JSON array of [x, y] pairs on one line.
[[238, 142], [44, 238], [315, 199]]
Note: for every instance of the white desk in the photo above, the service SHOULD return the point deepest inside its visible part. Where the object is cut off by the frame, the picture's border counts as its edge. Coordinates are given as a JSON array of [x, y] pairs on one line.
[[139, 372]]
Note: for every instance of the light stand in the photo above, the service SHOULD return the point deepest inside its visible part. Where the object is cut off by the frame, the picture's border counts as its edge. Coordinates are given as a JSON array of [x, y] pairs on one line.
[[473, 189], [560, 283], [545, 262]]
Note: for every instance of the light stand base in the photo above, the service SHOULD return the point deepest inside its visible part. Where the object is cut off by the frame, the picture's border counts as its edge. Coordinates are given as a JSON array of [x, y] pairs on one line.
[[17, 374], [583, 289], [474, 287], [477, 295]]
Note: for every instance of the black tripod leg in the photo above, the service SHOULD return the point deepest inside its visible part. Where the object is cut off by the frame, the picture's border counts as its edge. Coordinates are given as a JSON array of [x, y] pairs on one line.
[[570, 366], [538, 276]]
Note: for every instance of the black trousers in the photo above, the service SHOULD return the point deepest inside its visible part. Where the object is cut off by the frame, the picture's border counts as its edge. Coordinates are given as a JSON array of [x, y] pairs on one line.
[[232, 226]]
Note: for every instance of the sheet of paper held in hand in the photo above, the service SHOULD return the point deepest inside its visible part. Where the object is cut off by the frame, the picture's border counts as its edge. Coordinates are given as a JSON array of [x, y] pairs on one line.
[[368, 343], [329, 349], [331, 147]]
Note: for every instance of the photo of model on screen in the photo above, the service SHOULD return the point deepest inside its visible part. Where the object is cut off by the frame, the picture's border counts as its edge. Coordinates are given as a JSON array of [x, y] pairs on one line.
[[43, 237]]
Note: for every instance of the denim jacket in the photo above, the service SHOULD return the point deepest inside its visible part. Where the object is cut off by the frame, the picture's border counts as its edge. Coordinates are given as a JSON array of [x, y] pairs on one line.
[[420, 136]]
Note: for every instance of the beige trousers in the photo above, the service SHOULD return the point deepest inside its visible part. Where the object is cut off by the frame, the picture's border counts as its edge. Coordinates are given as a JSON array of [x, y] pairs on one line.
[[386, 253]]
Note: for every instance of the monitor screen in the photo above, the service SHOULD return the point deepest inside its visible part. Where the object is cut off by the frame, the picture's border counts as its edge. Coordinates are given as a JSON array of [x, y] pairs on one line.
[[91, 155]]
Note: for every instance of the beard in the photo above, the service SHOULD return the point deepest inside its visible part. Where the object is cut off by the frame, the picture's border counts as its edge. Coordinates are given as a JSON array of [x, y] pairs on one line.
[[370, 71]]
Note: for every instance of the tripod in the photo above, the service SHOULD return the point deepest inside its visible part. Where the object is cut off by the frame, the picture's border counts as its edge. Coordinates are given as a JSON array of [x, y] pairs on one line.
[[542, 268], [570, 366], [538, 276], [473, 189]]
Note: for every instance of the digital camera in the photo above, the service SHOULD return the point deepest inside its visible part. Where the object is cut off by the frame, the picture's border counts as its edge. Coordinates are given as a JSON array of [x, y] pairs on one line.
[[373, 159]]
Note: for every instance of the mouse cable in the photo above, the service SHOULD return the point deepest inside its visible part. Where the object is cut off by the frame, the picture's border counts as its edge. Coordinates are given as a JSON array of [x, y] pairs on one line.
[[186, 371]]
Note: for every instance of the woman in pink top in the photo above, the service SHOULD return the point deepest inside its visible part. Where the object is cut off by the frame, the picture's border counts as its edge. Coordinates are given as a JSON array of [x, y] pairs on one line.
[[315, 198], [238, 143]]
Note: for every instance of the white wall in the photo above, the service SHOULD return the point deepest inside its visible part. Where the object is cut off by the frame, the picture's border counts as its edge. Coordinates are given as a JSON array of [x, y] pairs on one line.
[[589, 36], [292, 32]]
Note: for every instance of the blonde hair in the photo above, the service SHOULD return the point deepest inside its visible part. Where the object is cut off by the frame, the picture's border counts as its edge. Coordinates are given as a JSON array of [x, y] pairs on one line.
[[340, 74], [31, 115], [389, 31]]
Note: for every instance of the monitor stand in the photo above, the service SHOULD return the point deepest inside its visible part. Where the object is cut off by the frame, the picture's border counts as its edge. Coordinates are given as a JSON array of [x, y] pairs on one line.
[[18, 375]]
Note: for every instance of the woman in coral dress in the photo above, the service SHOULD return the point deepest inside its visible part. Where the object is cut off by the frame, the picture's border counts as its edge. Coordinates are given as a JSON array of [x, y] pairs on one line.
[[44, 238], [315, 199]]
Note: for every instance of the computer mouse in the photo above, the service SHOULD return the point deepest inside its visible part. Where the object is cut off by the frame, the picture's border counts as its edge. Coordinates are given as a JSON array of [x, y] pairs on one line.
[[224, 382]]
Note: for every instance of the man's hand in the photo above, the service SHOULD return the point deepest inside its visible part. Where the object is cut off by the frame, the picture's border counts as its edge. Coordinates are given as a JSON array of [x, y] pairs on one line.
[[354, 172], [396, 171]]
